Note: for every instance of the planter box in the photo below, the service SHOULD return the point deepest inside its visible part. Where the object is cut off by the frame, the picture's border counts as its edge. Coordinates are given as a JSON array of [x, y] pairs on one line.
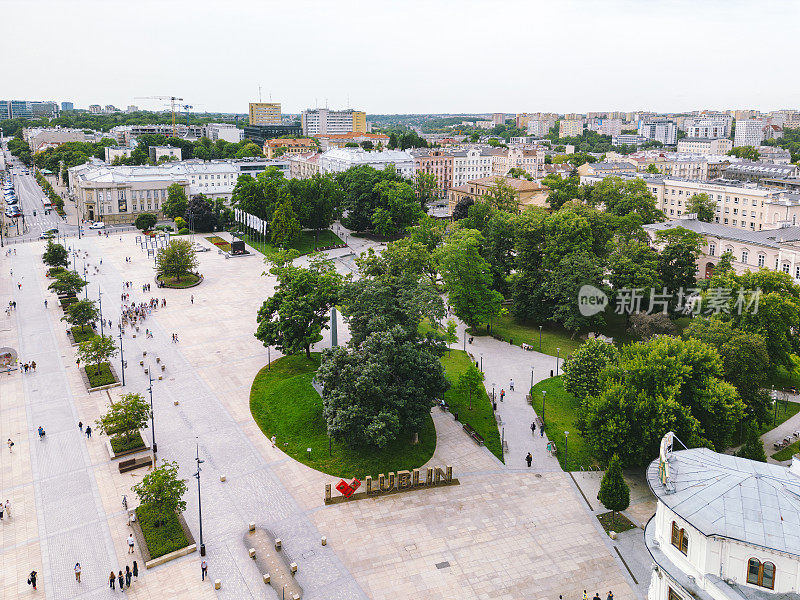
[[149, 562], [127, 452], [85, 379], [71, 339]]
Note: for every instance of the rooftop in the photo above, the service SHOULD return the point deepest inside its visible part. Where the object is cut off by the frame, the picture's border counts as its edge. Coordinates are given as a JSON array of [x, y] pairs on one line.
[[730, 497], [766, 237]]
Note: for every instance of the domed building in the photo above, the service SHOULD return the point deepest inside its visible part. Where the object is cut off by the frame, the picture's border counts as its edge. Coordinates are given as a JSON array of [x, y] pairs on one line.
[[725, 528]]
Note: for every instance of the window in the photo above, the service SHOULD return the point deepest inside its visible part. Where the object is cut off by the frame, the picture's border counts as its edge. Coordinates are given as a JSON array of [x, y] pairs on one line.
[[679, 538], [761, 574], [785, 268], [712, 248], [672, 595], [744, 256]]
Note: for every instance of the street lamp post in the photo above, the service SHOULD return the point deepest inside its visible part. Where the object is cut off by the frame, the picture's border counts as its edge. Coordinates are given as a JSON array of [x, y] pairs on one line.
[[481, 362], [199, 500], [100, 295], [558, 356], [493, 384], [122, 358], [566, 451], [269, 360], [85, 287], [152, 414], [532, 369], [544, 393], [540, 338], [774, 396], [465, 339]]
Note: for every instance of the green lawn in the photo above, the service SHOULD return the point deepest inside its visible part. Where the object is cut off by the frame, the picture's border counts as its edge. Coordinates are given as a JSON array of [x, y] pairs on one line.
[[303, 244], [163, 539], [81, 335], [787, 452], [185, 281], [779, 414], [101, 376], [284, 404], [560, 415], [786, 378], [480, 416]]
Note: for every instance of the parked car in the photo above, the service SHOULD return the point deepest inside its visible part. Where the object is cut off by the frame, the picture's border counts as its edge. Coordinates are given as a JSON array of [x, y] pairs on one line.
[[97, 225]]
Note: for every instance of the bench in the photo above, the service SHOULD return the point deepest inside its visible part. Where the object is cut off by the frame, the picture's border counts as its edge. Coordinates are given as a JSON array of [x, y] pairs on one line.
[[473, 434], [135, 463]]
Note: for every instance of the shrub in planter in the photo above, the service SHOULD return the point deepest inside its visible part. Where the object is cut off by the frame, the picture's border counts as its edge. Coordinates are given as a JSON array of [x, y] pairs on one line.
[[120, 444], [99, 375], [81, 334], [163, 538], [180, 223], [184, 231]]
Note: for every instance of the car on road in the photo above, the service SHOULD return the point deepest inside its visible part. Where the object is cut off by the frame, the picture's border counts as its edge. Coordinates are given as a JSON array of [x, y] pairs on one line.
[[47, 235], [97, 225], [198, 247]]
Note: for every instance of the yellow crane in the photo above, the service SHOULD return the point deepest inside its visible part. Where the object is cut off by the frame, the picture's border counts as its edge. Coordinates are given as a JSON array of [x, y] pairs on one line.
[[172, 100]]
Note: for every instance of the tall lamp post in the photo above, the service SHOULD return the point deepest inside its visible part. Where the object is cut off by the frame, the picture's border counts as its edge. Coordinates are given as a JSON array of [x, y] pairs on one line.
[[152, 414], [544, 393], [199, 501], [493, 384], [558, 356], [532, 369], [566, 451], [481, 362], [86, 287], [540, 338], [122, 360], [100, 295]]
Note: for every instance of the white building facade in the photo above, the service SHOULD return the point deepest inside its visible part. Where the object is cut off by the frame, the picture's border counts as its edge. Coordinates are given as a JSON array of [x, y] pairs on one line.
[[749, 132], [469, 164], [660, 130], [341, 159], [223, 131], [705, 146]]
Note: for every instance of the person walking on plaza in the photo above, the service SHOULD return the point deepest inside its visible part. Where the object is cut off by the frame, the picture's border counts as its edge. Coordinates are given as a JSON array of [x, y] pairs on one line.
[[596, 596], [78, 572], [88, 432], [529, 459], [8, 508], [45, 303], [10, 445], [80, 426], [111, 579], [502, 394], [121, 580], [1, 511], [130, 544], [511, 385], [32, 579], [128, 576], [192, 298], [203, 570], [33, 365], [610, 596], [135, 570]]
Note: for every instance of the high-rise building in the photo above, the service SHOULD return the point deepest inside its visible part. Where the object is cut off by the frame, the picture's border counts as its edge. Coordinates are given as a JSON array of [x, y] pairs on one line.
[[67, 106], [571, 128], [265, 113], [749, 132], [659, 130], [132, 108], [324, 120], [498, 118], [95, 109]]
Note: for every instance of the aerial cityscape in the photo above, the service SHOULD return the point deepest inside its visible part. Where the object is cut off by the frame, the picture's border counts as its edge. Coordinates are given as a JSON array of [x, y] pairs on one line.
[[383, 301]]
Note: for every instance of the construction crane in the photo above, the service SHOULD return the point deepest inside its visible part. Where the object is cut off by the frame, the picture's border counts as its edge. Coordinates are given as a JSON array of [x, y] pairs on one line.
[[172, 100]]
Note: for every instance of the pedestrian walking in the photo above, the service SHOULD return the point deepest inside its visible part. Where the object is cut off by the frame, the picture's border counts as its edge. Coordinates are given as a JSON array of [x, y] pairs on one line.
[[8, 508], [529, 459], [111, 579], [273, 439], [19, 286], [121, 580], [502, 394], [135, 570], [130, 544], [80, 426], [78, 572], [32, 579], [45, 303], [10, 445], [585, 597], [128, 576], [610, 595], [596, 596], [511, 385], [203, 570], [541, 430], [533, 427], [1, 511], [192, 298], [88, 432], [33, 365]]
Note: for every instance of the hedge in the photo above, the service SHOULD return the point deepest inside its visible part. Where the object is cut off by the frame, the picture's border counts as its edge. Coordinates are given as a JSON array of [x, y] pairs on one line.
[[163, 539]]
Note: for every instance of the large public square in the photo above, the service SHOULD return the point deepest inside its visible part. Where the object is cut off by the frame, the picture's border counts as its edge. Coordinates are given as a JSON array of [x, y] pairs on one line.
[[506, 531]]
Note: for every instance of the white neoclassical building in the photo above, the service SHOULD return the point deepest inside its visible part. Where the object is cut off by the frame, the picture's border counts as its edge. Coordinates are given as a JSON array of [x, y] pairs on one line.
[[341, 159], [725, 528]]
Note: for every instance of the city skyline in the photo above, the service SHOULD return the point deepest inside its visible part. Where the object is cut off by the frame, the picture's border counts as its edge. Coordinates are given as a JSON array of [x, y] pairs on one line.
[[430, 58]]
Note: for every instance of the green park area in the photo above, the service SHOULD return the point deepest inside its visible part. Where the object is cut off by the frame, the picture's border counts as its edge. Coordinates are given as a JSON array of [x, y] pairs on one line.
[[561, 414], [305, 243]]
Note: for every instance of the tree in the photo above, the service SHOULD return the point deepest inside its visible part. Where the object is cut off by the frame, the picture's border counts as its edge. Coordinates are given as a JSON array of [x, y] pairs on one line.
[[67, 283], [653, 169], [200, 214], [81, 313], [293, 318], [503, 196], [145, 221], [633, 265], [55, 255], [678, 258], [380, 391], [177, 259], [562, 287], [125, 416], [175, 205], [703, 206], [470, 383], [362, 195], [582, 370], [561, 190], [748, 152], [646, 325], [461, 209], [614, 492], [624, 197], [426, 187], [323, 200], [451, 333], [284, 227], [398, 208], [96, 351], [161, 491], [180, 223], [753, 447], [467, 277]]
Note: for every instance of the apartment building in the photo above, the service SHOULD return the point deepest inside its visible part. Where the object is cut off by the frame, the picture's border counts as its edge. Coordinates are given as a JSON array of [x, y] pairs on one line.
[[522, 120], [437, 163], [529, 193], [746, 170], [498, 118], [41, 138], [117, 194], [571, 128], [264, 113], [773, 249], [605, 126], [340, 140], [471, 163], [318, 121], [659, 130], [304, 166], [701, 145], [67, 106], [115, 152], [708, 126], [540, 126], [338, 160], [606, 168], [223, 131], [288, 146], [95, 109], [530, 160], [773, 154], [749, 132]]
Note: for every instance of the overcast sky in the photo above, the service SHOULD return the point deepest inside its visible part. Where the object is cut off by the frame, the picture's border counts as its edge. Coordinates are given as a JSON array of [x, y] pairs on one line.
[[405, 56]]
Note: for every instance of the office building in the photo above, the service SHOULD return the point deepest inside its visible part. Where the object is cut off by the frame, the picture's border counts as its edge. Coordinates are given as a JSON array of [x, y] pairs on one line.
[[340, 140], [126, 135], [258, 134], [694, 145], [27, 109], [67, 106], [758, 171], [628, 139], [317, 121], [265, 113], [710, 127], [223, 131], [659, 130], [117, 152]]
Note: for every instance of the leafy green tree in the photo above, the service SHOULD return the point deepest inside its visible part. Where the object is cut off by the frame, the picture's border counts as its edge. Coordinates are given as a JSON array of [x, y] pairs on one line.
[[703, 206], [678, 258], [653, 169], [293, 318], [664, 384], [426, 188], [561, 190], [747, 152], [622, 197], [461, 209], [175, 260], [323, 201], [451, 333], [285, 227], [634, 265], [175, 205], [180, 223], [67, 283], [563, 285], [81, 313], [161, 490], [614, 492], [125, 417], [499, 250], [200, 214], [644, 325], [753, 447], [381, 390], [503, 196], [467, 277], [470, 383], [362, 196], [582, 369], [97, 351], [398, 210], [55, 255], [145, 221]]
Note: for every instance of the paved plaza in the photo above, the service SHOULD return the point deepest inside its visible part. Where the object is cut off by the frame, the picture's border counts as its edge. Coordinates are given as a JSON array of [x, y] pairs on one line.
[[505, 531]]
